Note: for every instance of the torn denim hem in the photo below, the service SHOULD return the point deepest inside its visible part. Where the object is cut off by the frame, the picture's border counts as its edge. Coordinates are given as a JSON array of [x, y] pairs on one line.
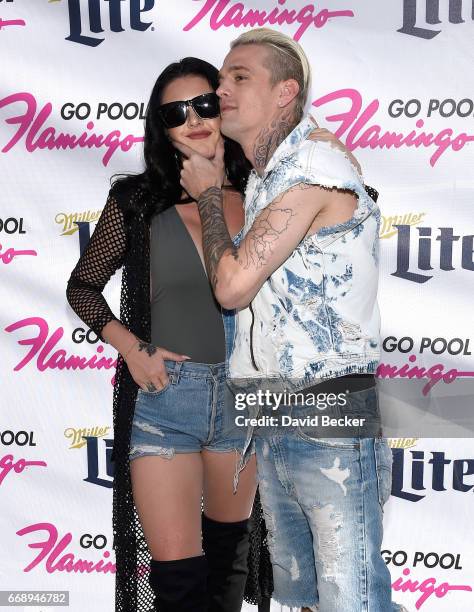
[[245, 455]]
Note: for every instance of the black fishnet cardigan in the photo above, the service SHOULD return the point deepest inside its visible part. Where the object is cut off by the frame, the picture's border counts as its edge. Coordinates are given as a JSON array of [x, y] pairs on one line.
[[122, 239]]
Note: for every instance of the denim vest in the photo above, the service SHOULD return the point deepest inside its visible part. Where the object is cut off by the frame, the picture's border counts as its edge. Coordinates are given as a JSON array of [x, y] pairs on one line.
[[316, 316]]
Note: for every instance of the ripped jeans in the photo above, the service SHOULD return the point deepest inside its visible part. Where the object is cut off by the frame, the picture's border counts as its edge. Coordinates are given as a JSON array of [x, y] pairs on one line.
[[323, 503], [193, 412]]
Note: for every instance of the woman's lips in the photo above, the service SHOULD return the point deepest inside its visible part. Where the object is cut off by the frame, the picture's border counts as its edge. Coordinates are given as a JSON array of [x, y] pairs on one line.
[[199, 135]]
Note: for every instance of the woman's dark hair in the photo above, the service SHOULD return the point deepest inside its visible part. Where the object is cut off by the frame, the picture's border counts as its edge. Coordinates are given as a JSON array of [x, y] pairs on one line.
[[158, 185]]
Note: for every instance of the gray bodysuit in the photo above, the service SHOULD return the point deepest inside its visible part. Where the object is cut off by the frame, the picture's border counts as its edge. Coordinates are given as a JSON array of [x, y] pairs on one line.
[[185, 317]]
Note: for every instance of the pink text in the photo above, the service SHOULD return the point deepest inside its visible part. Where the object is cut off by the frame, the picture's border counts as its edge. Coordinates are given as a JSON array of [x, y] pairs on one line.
[[31, 126], [7, 464], [238, 16], [11, 22], [51, 549], [427, 587], [360, 134], [48, 359], [435, 373], [7, 256]]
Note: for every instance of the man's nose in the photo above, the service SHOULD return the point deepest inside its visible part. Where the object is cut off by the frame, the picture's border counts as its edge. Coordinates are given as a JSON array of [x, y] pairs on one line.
[[193, 117], [222, 90]]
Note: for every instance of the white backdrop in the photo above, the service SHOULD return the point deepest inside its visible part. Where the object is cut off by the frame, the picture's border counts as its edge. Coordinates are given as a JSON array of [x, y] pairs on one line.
[[75, 78]]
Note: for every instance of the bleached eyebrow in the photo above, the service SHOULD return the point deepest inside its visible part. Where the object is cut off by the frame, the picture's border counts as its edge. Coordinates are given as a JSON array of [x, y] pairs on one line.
[[233, 69]]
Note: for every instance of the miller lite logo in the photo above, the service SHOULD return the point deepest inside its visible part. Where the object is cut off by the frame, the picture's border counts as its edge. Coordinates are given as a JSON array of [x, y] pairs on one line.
[[424, 25], [441, 249], [86, 22]]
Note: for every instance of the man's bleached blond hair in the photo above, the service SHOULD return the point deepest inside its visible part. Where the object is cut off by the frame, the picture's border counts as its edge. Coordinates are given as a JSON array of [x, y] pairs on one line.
[[286, 60]]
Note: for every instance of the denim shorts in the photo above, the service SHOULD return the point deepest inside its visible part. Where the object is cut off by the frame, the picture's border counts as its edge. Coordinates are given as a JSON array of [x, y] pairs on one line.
[[194, 411]]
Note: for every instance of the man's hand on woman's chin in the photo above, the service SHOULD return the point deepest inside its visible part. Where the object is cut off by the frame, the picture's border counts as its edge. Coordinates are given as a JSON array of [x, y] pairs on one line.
[[199, 173]]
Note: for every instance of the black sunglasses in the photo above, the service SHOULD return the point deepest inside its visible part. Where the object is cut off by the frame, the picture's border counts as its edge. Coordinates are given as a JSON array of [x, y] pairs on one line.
[[174, 114]]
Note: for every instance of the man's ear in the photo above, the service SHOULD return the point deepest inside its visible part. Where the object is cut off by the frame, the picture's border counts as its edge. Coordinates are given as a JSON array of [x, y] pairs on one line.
[[289, 89]]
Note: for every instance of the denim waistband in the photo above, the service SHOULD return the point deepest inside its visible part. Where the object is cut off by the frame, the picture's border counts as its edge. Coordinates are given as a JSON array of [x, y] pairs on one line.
[[194, 369]]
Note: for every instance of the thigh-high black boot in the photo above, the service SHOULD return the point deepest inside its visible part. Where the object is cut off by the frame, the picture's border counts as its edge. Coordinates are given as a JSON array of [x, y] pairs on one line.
[[226, 546], [179, 585]]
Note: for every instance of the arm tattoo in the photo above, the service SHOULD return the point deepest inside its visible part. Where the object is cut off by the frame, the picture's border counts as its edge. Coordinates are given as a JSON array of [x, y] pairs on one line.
[[215, 235], [272, 222], [271, 137], [259, 242], [146, 346]]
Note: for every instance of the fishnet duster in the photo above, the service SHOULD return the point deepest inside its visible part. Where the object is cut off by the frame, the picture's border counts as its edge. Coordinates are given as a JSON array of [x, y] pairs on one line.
[[122, 239]]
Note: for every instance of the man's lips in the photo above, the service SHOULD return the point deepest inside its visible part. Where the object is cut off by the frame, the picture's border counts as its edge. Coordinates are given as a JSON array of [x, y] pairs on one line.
[[225, 108], [199, 135]]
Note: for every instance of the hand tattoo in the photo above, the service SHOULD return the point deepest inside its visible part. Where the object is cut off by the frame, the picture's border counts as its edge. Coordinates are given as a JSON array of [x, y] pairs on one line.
[[215, 235], [151, 387], [270, 137], [146, 346]]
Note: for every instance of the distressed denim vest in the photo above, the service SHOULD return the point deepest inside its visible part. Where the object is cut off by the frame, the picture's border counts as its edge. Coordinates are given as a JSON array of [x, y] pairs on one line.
[[316, 316]]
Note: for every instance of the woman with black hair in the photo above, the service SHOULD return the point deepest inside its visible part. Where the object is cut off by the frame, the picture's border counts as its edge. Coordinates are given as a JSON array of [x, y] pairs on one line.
[[175, 438]]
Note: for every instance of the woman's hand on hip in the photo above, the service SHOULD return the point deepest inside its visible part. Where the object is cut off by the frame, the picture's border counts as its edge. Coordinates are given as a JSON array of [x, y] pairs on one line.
[[147, 367]]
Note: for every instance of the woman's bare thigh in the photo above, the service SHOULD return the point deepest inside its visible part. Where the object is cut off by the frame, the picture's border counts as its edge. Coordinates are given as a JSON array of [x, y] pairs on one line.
[[220, 502], [167, 495]]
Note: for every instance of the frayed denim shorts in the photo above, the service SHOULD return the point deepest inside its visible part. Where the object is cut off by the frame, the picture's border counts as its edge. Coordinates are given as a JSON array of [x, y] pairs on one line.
[[193, 412]]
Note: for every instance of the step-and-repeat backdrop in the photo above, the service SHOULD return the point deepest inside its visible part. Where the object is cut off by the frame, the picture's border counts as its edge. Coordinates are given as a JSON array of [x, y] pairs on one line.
[[394, 80]]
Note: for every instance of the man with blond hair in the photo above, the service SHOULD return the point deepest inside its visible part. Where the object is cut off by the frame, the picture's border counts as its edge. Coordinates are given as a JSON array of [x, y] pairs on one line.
[[302, 276]]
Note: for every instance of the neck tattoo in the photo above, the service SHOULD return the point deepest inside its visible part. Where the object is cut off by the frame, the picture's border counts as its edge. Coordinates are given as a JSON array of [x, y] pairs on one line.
[[271, 136]]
